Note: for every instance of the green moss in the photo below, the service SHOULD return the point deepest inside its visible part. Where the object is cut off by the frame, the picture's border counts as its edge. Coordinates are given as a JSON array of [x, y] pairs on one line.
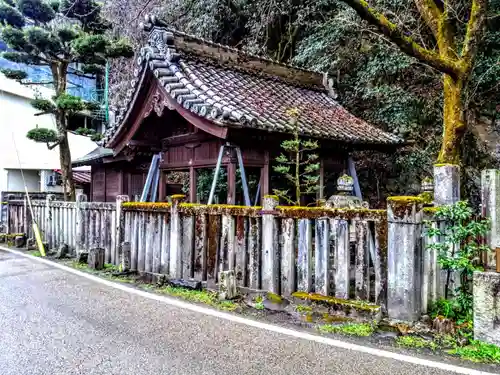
[[218, 209], [11, 235], [427, 197], [478, 351], [303, 308], [147, 206], [405, 200], [274, 197], [178, 196], [415, 342], [274, 297], [431, 210], [318, 298], [299, 212], [352, 329], [203, 296], [35, 253], [446, 165]]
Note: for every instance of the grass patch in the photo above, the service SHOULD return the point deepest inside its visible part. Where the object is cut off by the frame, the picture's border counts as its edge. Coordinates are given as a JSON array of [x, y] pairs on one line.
[[199, 296], [79, 266], [303, 309], [352, 329], [259, 303], [478, 351], [416, 342], [35, 253]]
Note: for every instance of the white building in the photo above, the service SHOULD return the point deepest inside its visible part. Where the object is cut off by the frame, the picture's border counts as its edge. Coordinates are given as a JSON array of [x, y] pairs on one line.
[[37, 162]]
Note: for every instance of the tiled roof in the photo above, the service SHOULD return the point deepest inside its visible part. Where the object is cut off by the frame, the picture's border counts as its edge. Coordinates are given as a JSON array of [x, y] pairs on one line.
[[79, 177], [234, 89], [95, 155]]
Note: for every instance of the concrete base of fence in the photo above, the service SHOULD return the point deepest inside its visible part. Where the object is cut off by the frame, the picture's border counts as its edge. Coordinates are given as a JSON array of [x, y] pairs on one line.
[[96, 258], [227, 285], [446, 184], [487, 307]]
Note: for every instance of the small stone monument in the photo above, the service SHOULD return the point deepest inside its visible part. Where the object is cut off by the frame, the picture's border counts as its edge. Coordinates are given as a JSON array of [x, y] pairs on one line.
[[345, 199], [96, 258]]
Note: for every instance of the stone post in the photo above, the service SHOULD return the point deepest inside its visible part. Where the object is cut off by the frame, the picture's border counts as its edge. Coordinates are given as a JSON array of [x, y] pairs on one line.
[[490, 200], [270, 246], [486, 312], [446, 184], [125, 256], [80, 223], [49, 232], [96, 258], [120, 227], [404, 257], [175, 267]]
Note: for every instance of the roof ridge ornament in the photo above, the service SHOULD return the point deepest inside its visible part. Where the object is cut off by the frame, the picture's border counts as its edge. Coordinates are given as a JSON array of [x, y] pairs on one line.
[[328, 83]]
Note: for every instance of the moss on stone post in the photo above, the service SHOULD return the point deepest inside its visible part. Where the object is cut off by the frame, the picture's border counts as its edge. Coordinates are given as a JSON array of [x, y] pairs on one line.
[[404, 257]]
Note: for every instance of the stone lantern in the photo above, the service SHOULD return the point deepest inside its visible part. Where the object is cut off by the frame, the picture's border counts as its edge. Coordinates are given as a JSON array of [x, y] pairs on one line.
[[346, 199]]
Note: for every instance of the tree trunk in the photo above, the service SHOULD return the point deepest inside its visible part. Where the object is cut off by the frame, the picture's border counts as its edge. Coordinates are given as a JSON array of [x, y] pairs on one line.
[[453, 121], [59, 75], [66, 169]]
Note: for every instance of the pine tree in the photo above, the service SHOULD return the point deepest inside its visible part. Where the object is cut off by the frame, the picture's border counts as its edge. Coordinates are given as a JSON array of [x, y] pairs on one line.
[[301, 167], [57, 34]]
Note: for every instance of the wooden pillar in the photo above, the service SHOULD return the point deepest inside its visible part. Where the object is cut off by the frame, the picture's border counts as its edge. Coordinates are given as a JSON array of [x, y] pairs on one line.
[[192, 185], [162, 190], [231, 182], [264, 176]]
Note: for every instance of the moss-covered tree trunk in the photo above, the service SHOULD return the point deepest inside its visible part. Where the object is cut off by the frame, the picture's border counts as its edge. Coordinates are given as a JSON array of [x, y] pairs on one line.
[[453, 121], [456, 67]]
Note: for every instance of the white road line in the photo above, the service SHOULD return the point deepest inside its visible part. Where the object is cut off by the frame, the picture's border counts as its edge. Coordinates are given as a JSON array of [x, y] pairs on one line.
[[260, 325]]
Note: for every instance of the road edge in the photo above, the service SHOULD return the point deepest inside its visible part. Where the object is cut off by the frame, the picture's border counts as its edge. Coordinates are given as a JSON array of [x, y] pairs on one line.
[[257, 324]]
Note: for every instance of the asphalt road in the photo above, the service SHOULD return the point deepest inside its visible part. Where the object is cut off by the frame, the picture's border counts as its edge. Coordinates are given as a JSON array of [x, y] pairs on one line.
[[57, 323]]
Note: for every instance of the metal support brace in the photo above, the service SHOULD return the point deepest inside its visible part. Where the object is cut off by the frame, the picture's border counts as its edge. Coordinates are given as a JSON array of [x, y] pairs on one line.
[[154, 170], [216, 175], [354, 175], [243, 177], [257, 195]]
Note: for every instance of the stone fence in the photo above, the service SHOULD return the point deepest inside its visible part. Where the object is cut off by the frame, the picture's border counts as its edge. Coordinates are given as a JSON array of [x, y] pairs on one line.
[[372, 255]]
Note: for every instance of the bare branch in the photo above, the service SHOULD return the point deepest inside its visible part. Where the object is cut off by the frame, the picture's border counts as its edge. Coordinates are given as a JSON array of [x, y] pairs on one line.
[[53, 145], [404, 42]]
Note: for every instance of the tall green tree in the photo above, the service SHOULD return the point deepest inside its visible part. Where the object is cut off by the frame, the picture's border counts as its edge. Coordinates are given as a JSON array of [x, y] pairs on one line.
[[58, 34], [453, 54]]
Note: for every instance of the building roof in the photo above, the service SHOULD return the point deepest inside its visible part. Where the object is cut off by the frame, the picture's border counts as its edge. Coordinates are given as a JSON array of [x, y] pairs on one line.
[[234, 89], [80, 177], [93, 156]]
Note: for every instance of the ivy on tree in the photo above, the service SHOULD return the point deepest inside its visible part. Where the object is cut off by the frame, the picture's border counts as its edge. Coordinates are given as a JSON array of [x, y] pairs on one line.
[[301, 165], [57, 34]]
